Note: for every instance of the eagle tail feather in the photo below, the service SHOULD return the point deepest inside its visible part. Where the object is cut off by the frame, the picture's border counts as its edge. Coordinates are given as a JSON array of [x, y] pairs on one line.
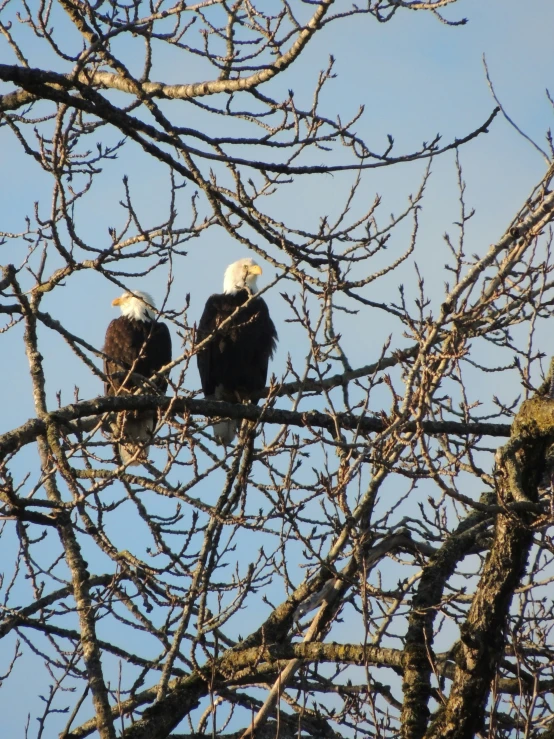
[[133, 455], [225, 431], [134, 439]]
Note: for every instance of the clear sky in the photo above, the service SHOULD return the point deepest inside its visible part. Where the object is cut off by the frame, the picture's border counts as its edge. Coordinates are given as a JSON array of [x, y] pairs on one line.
[[416, 77]]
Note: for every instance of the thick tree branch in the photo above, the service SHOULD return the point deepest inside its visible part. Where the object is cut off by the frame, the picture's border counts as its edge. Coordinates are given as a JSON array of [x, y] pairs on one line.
[[482, 642], [34, 427], [418, 649], [39, 83]]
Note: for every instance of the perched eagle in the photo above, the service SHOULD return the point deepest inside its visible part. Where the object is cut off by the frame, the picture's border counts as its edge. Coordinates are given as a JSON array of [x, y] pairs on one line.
[[233, 365], [136, 347]]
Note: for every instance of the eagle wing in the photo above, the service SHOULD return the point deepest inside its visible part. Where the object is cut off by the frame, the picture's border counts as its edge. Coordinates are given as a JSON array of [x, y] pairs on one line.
[[237, 359], [210, 320], [121, 351], [141, 347], [158, 354]]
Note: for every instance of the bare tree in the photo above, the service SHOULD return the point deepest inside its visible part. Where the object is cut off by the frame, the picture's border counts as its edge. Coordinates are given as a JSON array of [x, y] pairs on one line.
[[366, 560]]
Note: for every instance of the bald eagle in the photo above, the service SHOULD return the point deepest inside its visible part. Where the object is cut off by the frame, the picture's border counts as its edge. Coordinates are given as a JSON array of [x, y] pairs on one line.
[[233, 365], [137, 346]]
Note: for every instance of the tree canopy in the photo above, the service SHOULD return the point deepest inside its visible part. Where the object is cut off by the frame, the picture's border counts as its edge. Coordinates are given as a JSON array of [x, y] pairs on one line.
[[372, 556]]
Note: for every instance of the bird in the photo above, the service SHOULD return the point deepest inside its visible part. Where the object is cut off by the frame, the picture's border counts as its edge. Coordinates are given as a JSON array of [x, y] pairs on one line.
[[233, 364], [136, 347]]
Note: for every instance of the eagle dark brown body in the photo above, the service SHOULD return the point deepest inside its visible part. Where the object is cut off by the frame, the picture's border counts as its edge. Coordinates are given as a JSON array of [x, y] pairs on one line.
[[136, 350], [143, 347], [233, 365], [236, 360]]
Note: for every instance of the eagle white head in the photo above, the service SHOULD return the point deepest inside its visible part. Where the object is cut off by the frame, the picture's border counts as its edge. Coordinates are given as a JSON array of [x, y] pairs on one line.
[[136, 305], [241, 275]]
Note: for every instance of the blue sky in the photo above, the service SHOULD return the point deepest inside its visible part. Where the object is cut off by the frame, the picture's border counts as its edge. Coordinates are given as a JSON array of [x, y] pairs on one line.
[[416, 77]]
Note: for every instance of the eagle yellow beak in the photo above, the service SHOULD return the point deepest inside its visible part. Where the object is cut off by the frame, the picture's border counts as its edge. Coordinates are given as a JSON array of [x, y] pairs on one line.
[[117, 301], [255, 269]]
